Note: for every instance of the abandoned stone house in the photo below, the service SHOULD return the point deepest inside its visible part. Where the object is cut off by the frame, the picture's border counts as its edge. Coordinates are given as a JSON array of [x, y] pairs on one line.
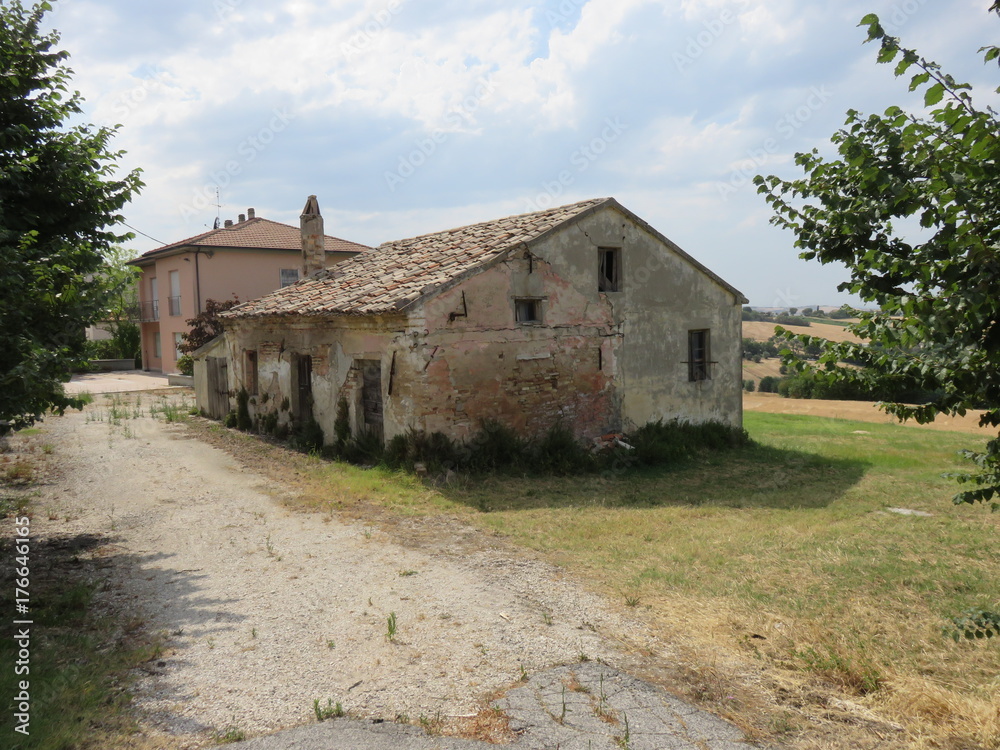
[[582, 314]]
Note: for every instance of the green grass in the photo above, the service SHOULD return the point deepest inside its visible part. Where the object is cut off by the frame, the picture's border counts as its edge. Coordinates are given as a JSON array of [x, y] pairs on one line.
[[795, 530], [791, 522], [795, 523], [79, 662]]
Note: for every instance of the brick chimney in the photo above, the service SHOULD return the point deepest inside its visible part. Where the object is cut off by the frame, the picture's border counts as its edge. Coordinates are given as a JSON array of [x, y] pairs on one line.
[[251, 213], [313, 238]]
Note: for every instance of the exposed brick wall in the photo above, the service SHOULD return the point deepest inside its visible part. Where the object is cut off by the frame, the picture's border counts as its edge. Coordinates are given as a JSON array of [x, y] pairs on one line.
[[530, 392]]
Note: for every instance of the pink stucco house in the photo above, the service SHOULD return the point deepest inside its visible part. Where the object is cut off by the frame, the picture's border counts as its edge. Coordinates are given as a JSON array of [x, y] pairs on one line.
[[247, 258]]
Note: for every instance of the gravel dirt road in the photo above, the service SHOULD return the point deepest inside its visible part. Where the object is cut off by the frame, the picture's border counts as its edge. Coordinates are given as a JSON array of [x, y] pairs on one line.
[[265, 610]]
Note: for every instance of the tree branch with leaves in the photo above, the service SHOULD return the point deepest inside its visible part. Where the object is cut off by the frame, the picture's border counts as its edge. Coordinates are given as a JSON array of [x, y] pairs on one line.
[[911, 207]]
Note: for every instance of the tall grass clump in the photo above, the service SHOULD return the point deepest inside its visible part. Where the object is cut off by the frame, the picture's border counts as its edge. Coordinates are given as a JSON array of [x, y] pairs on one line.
[[496, 447], [559, 452], [661, 443], [436, 451]]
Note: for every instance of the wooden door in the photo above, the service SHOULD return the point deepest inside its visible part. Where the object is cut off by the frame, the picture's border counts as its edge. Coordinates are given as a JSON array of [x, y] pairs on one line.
[[371, 395], [218, 386]]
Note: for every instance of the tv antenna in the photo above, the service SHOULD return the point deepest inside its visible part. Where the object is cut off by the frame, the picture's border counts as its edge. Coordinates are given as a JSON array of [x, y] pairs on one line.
[[218, 209]]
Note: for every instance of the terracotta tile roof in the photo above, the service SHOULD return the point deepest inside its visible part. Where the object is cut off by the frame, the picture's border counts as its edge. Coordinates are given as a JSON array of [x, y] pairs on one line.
[[396, 274], [256, 233]]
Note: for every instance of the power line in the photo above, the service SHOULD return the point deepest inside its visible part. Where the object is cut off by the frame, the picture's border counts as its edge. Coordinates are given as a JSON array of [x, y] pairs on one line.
[[143, 233]]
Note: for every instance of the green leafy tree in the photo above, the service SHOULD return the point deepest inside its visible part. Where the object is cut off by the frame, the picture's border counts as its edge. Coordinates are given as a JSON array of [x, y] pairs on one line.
[[59, 199], [121, 308], [911, 206]]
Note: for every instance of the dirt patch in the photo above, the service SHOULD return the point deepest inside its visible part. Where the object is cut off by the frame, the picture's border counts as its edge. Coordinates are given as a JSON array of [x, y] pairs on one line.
[[863, 411]]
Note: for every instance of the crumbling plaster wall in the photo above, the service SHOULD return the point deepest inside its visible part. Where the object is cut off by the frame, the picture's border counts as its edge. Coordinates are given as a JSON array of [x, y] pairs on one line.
[[479, 363], [662, 297], [335, 345]]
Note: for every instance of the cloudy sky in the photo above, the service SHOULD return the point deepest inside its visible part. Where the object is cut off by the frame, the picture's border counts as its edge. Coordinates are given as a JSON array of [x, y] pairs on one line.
[[412, 116]]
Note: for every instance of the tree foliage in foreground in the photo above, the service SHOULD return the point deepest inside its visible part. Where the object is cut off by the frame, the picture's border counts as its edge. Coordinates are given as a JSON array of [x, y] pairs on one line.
[[59, 199], [911, 206]]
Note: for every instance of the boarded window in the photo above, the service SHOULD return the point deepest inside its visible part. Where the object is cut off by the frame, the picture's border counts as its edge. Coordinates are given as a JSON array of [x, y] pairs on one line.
[[252, 373], [609, 273], [528, 310], [289, 276], [699, 355]]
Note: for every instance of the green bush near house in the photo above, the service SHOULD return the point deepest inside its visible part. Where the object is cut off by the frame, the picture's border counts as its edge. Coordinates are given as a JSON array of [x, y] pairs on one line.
[[185, 365], [243, 421], [498, 449], [309, 437]]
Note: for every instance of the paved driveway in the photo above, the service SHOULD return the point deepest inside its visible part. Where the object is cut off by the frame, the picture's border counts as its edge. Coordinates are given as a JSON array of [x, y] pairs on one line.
[[116, 382]]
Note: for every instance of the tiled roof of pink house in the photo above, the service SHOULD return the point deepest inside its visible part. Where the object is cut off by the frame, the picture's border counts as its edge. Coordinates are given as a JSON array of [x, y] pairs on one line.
[[397, 274], [256, 233]]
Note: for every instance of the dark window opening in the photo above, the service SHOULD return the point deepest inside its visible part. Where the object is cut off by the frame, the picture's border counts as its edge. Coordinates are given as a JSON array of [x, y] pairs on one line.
[[528, 310], [288, 276], [609, 272], [698, 355]]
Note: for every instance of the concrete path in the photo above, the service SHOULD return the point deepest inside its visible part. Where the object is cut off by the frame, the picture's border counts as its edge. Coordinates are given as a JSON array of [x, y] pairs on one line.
[[586, 706], [116, 382]]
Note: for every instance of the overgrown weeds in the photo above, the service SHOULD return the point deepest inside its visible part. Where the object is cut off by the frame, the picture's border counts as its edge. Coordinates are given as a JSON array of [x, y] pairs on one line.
[[498, 449]]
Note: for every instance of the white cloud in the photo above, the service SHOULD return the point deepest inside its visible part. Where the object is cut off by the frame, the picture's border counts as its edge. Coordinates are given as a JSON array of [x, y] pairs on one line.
[[363, 80]]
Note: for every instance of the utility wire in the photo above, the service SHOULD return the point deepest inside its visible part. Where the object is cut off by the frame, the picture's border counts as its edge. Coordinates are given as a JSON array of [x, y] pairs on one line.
[[143, 233]]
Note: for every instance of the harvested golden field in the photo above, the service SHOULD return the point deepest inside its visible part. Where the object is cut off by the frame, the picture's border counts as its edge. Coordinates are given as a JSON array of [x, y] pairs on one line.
[[761, 331], [757, 370]]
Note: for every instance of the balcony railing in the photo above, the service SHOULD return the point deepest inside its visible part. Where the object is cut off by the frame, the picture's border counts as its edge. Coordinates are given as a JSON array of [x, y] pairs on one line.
[[149, 311], [175, 305]]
